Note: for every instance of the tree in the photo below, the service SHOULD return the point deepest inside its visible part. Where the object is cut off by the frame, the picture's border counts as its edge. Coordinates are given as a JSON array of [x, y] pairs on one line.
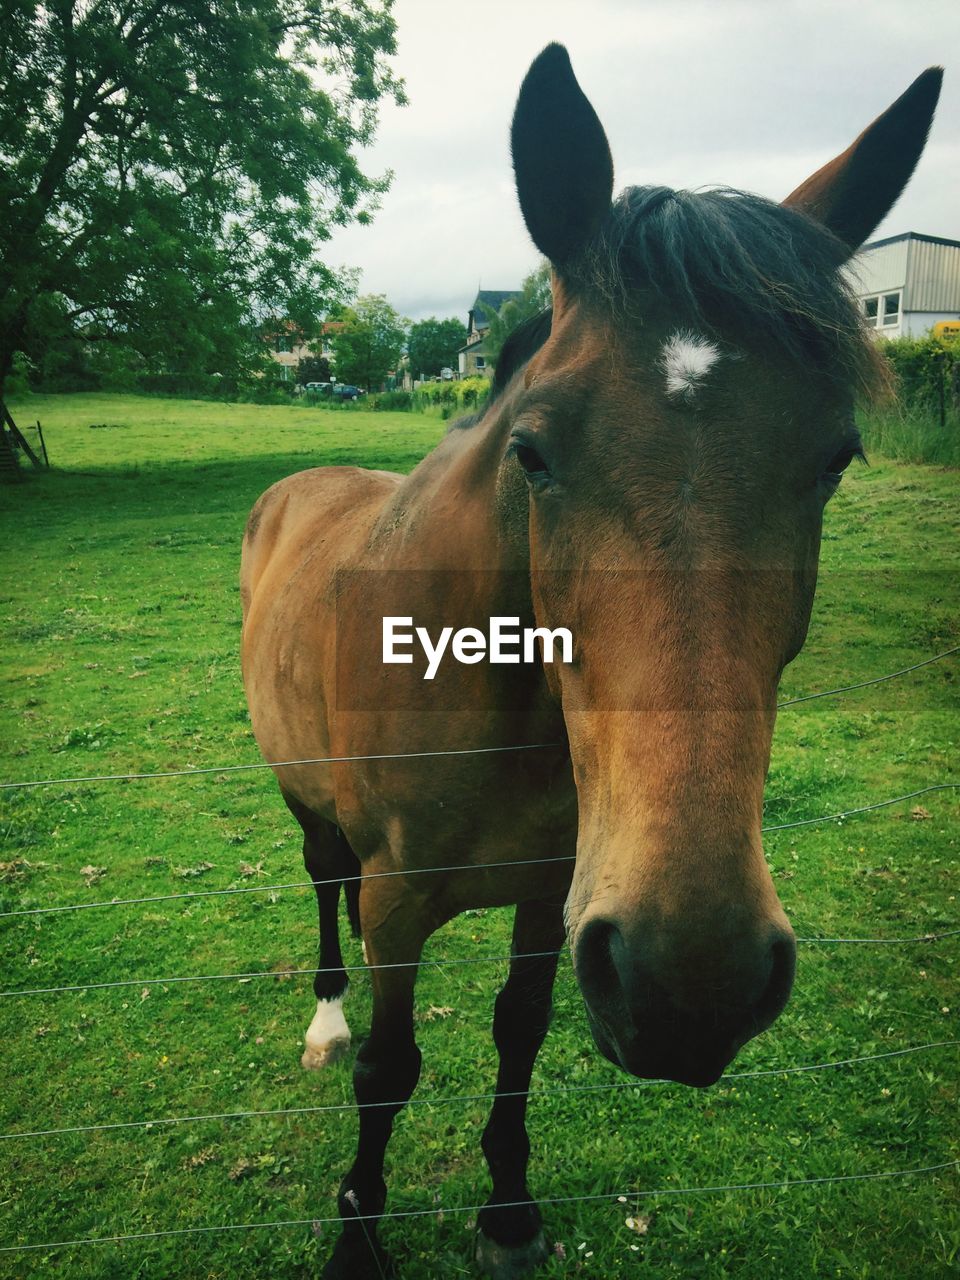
[[535, 296], [368, 342], [433, 345], [313, 369], [168, 168]]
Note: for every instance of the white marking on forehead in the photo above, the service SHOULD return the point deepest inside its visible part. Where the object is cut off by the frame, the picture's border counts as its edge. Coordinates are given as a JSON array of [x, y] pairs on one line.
[[686, 359]]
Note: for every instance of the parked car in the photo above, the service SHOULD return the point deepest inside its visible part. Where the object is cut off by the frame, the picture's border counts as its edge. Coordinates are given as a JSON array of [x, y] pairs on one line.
[[345, 391], [319, 388]]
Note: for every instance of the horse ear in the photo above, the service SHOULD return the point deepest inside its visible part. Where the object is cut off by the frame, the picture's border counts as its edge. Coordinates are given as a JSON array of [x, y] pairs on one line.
[[854, 192], [561, 158]]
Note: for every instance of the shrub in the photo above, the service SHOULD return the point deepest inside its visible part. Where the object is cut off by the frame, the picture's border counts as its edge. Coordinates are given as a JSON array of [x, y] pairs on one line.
[[395, 400], [193, 385], [910, 435], [468, 393], [922, 368], [18, 379]]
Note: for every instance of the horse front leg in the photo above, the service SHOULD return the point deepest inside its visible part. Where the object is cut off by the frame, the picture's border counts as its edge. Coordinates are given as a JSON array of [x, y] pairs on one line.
[[385, 1074], [330, 862], [510, 1240]]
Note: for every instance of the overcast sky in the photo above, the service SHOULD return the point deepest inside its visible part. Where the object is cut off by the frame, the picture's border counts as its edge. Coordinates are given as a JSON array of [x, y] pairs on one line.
[[755, 94]]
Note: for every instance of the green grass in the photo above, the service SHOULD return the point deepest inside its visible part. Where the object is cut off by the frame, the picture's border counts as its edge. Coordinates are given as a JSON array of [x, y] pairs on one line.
[[912, 435], [120, 620]]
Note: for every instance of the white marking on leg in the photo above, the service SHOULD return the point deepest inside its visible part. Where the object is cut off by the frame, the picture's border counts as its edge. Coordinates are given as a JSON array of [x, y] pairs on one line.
[[328, 1036], [686, 359], [363, 945]]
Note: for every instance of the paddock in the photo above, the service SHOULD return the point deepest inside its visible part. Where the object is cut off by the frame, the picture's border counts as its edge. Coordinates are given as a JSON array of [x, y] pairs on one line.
[[173, 1060]]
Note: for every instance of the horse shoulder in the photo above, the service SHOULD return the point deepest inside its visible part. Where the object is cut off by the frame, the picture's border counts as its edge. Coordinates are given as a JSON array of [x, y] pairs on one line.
[[324, 504]]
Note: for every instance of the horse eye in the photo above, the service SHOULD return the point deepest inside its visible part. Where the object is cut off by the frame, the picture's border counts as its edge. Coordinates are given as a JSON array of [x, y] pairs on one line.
[[833, 474], [533, 465]]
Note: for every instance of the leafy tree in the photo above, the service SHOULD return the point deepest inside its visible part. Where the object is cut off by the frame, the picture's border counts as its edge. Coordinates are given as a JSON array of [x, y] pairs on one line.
[[433, 345], [313, 369], [169, 167], [368, 342], [534, 297]]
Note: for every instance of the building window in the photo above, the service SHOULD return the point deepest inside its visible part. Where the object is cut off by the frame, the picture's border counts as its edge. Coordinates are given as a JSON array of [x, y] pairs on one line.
[[481, 362], [882, 311]]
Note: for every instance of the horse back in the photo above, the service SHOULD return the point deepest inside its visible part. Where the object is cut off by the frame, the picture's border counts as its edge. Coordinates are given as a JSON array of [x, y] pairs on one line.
[[300, 532]]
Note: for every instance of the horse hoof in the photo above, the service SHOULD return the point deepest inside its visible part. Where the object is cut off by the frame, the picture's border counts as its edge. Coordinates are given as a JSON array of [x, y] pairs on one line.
[[354, 1258], [328, 1037], [507, 1262], [316, 1057]]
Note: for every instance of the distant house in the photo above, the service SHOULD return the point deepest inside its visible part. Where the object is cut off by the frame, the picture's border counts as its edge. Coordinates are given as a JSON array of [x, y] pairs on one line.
[[905, 284], [330, 328], [286, 345], [472, 357]]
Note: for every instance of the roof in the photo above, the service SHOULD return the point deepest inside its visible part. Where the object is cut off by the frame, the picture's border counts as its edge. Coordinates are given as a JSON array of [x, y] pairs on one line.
[[910, 235], [490, 300]]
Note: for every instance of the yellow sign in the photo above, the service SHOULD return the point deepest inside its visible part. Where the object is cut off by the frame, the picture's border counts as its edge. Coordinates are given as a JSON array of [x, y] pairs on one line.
[[947, 329]]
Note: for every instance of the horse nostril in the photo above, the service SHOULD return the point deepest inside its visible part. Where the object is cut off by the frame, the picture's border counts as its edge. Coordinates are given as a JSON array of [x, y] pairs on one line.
[[597, 945], [783, 963]]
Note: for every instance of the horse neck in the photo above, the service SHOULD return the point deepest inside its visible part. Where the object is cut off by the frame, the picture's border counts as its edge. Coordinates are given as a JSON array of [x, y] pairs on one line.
[[459, 510]]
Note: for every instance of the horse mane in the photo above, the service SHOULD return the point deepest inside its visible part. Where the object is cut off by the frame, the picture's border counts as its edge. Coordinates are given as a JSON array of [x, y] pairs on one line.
[[720, 259], [727, 259]]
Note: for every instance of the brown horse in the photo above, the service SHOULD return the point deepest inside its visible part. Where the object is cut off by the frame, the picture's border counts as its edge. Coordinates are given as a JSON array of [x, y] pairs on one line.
[[650, 473]]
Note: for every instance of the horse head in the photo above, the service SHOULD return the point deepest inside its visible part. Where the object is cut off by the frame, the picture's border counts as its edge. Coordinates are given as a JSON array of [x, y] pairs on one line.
[[679, 434]]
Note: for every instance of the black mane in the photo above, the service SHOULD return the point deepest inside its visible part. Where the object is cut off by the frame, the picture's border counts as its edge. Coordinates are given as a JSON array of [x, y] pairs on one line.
[[725, 259]]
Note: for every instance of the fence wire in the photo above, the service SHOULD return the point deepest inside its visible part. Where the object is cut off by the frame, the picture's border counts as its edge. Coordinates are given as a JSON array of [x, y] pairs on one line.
[[412, 755], [317, 1223], [441, 1211], [415, 871], [551, 1092], [427, 962]]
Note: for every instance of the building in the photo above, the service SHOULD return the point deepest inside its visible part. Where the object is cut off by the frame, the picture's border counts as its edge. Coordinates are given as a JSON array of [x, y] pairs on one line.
[[286, 345], [472, 357], [905, 284]]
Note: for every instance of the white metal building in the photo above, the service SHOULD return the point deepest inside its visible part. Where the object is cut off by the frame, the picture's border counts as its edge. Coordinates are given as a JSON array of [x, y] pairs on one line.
[[907, 283]]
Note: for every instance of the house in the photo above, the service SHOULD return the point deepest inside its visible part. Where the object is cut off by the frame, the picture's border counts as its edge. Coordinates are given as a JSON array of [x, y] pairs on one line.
[[330, 327], [905, 284], [286, 345], [472, 357]]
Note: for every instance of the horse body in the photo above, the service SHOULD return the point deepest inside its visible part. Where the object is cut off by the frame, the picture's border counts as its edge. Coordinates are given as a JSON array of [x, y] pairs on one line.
[[651, 472], [324, 545]]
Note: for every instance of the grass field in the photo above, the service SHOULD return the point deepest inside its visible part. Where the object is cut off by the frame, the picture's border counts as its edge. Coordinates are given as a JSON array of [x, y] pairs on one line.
[[120, 621]]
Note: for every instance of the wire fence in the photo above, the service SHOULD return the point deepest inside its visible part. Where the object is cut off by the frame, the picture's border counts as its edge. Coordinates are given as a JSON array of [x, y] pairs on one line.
[[462, 1098], [413, 755], [441, 1211], [553, 1091], [422, 962], [435, 871]]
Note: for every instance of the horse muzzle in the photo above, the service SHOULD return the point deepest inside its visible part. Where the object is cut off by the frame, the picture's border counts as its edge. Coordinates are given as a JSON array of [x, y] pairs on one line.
[[660, 1014]]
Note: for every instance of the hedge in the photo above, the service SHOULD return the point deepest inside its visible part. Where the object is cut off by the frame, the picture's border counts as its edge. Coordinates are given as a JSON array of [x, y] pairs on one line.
[[922, 368]]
